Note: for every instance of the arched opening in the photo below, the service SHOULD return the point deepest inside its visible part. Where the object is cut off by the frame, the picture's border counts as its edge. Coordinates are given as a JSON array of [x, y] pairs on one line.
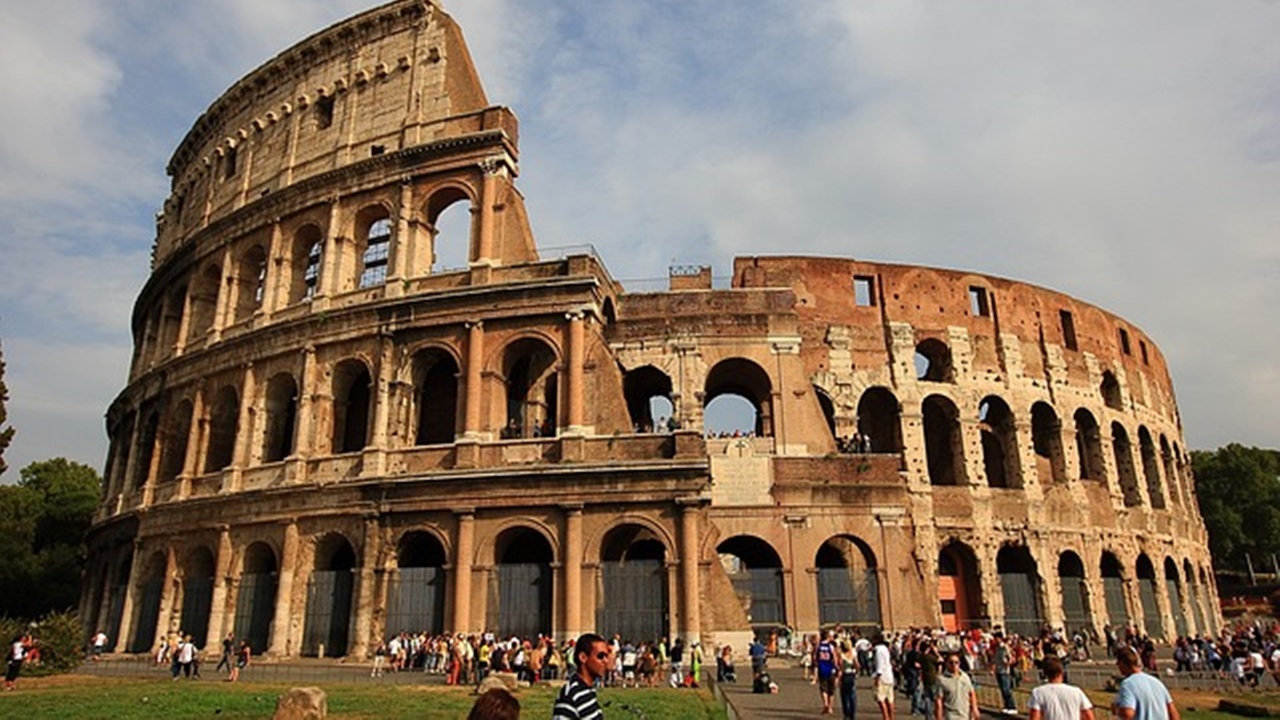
[[848, 585], [880, 420], [197, 595], [375, 246], [648, 392], [1075, 593], [1113, 591], [633, 596], [146, 614], [251, 282], [959, 595], [116, 590], [121, 446], [522, 585], [828, 409], [1195, 596], [307, 255], [1123, 451], [1046, 439], [328, 620], [1089, 446], [204, 301], [435, 382], [224, 421], [282, 418], [1150, 468], [174, 456], [943, 444], [172, 320], [146, 448], [755, 570], [1151, 619], [449, 218], [417, 591], [933, 361], [1020, 587], [732, 386], [999, 443], [1173, 587], [351, 406], [532, 389], [1170, 467], [256, 599], [1110, 389]]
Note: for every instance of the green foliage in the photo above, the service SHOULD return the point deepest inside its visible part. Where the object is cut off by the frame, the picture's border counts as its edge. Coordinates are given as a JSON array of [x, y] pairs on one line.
[[43, 520], [6, 431], [60, 638], [1239, 491]]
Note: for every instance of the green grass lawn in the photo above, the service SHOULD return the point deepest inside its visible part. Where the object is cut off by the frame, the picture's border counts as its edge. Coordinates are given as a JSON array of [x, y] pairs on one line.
[[77, 696]]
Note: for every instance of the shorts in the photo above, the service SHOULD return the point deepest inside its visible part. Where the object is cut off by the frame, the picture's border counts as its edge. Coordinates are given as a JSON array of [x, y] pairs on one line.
[[827, 685], [884, 693]]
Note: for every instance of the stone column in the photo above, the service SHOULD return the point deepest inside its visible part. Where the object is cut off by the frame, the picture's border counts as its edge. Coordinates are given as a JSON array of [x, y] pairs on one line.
[[191, 464], [572, 572], [375, 455], [125, 487], [221, 577], [245, 430], [184, 323], [365, 590], [576, 351], [126, 610], [689, 513], [483, 253], [330, 261], [275, 288], [462, 571], [225, 301], [304, 440], [400, 243], [475, 364], [170, 615], [281, 622]]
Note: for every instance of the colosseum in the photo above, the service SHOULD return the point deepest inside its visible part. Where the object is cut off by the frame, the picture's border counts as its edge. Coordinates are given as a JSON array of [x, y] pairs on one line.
[[329, 435]]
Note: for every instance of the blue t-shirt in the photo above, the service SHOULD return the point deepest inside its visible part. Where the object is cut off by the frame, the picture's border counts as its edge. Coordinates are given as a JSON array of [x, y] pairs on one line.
[[826, 656], [1148, 697]]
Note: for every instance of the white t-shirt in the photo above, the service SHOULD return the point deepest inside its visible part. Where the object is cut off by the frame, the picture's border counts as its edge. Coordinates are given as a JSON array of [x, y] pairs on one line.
[[100, 639], [186, 652], [1059, 701], [883, 665]]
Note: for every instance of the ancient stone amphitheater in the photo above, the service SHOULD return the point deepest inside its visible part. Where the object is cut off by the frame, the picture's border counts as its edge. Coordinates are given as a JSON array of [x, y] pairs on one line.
[[328, 436]]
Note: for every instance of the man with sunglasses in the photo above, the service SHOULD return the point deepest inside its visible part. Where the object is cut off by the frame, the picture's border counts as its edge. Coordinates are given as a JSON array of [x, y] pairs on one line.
[[577, 699], [955, 698]]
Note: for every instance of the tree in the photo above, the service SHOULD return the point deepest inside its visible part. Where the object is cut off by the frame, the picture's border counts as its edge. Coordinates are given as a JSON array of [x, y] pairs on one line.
[[43, 521], [6, 431], [1239, 491]]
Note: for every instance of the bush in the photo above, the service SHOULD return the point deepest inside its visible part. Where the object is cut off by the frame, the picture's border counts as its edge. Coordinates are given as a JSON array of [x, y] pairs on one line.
[[59, 638]]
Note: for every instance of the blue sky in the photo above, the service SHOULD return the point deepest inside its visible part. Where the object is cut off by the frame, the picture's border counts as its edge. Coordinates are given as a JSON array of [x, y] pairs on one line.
[[1125, 153]]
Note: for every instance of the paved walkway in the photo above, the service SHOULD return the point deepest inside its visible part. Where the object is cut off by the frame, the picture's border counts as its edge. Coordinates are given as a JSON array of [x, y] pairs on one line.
[[797, 698]]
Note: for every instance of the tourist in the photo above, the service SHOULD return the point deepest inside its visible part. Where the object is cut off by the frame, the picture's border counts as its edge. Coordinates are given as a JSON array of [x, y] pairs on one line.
[[228, 650], [17, 653], [496, 704], [242, 660], [827, 670], [848, 680], [1141, 696], [882, 679], [99, 645], [955, 698], [1002, 661], [1057, 700], [577, 698]]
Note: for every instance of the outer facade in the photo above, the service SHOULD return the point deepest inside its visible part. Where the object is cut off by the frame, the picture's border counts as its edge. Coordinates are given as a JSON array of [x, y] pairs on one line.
[[327, 436]]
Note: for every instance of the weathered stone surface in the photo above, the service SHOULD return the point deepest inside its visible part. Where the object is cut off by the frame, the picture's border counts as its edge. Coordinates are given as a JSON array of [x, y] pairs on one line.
[[302, 703]]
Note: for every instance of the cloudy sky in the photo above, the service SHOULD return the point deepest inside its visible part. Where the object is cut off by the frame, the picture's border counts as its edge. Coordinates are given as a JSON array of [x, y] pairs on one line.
[[1125, 153]]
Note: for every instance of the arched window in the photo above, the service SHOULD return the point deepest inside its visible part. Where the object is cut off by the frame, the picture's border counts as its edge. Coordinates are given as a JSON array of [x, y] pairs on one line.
[[943, 445], [1046, 439], [739, 399], [1150, 468], [1110, 390], [648, 393], [529, 367], [351, 406], [1089, 446], [1123, 451], [308, 252], [377, 252], [449, 217], [880, 420], [178, 431], [435, 382], [933, 361], [251, 279], [204, 301], [282, 418], [224, 421], [999, 443]]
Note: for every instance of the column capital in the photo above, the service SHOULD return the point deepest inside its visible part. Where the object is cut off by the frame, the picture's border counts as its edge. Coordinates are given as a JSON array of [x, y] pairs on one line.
[[473, 324]]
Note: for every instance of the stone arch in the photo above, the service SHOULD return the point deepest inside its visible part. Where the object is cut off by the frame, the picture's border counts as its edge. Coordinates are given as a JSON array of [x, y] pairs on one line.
[[435, 395], [1046, 440], [644, 388], [880, 419], [1150, 468], [959, 587], [1146, 574], [1020, 585], [450, 212], [633, 594], [174, 457], [744, 379], [1110, 391], [416, 596], [329, 593], [352, 405], [147, 442], [1000, 459], [1112, 571], [280, 424], [1195, 593], [205, 286], [755, 571], [521, 587], [531, 379], [374, 229], [828, 408], [250, 281], [848, 583], [1075, 592], [933, 361], [306, 260], [198, 571], [1170, 468], [224, 426], [1128, 476], [1175, 592], [1089, 446], [256, 597], [943, 442]]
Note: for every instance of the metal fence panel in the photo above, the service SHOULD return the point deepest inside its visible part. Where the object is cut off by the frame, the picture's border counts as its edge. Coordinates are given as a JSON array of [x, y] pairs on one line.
[[1175, 606], [197, 600], [328, 617], [1021, 606], [1075, 605], [148, 615], [255, 607], [416, 601], [762, 589], [524, 599], [849, 597], [1117, 610], [1150, 611], [634, 600]]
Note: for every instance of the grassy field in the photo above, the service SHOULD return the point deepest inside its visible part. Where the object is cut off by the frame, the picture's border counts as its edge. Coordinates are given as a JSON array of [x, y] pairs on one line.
[[71, 697]]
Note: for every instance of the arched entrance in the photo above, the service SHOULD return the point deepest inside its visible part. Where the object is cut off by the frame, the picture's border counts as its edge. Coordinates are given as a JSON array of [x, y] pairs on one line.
[[1113, 590], [1151, 620], [755, 570], [328, 621], [197, 595], [880, 419], [958, 590], [416, 597], [1194, 595], [256, 599], [522, 584], [147, 614], [435, 382], [1173, 586], [737, 383], [116, 591], [633, 598], [1019, 585], [644, 388], [848, 586], [1075, 593], [532, 389]]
